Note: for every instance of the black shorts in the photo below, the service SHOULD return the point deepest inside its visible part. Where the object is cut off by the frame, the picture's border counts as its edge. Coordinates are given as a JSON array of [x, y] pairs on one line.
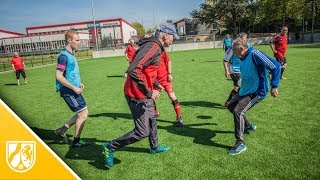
[[235, 78], [22, 72], [282, 61]]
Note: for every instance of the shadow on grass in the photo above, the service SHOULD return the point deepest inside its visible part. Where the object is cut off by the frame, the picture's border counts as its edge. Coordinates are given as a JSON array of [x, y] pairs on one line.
[[91, 153], [202, 104], [204, 117], [48, 135], [12, 84], [201, 135], [114, 116], [116, 76], [212, 61]]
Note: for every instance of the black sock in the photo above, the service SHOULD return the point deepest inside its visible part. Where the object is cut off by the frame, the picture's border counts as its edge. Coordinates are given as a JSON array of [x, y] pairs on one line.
[[76, 140], [175, 102], [63, 129]]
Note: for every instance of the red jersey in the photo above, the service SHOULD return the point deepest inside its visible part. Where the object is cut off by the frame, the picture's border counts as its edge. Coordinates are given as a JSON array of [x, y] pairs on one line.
[[17, 62], [130, 50], [142, 72], [280, 45], [163, 69]]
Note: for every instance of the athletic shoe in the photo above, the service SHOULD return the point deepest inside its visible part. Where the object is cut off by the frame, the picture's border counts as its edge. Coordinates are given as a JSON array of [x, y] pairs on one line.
[[160, 149], [283, 78], [179, 121], [108, 154], [63, 137], [80, 144], [226, 104], [252, 127], [239, 148]]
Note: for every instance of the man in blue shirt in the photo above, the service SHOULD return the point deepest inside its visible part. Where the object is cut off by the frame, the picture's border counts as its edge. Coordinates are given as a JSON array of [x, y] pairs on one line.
[[69, 84], [227, 42], [254, 87]]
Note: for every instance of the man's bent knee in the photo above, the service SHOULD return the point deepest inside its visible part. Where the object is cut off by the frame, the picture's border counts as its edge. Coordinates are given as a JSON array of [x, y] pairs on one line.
[[83, 114]]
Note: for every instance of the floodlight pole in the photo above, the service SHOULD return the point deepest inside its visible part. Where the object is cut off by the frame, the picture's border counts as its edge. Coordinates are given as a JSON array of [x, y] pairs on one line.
[[94, 26]]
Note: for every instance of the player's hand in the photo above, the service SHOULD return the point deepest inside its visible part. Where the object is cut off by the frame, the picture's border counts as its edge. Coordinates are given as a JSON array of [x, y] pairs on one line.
[[155, 94], [275, 52], [227, 74], [170, 78], [14, 70], [77, 90], [274, 92], [82, 86]]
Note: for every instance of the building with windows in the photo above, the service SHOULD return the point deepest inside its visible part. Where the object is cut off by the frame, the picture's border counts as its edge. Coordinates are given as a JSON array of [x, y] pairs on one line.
[[191, 26], [51, 37]]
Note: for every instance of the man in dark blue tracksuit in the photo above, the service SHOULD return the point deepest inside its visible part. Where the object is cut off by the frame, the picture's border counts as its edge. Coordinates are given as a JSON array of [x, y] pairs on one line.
[[254, 87]]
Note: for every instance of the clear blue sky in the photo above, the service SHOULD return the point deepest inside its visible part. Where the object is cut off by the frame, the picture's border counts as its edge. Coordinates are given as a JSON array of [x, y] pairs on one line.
[[16, 15]]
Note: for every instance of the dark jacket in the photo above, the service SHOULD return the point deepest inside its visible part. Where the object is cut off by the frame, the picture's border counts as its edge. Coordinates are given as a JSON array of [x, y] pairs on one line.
[[142, 72]]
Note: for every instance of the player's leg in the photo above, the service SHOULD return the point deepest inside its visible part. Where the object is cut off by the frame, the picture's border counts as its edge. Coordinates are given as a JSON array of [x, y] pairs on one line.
[[82, 117], [18, 77], [153, 137], [175, 103], [141, 122], [283, 62], [243, 105], [235, 78], [62, 130], [140, 131], [23, 73]]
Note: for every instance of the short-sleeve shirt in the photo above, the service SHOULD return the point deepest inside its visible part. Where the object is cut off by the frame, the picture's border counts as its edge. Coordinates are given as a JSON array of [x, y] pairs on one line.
[[163, 69], [62, 63], [280, 45], [130, 50], [233, 61], [227, 42], [17, 62]]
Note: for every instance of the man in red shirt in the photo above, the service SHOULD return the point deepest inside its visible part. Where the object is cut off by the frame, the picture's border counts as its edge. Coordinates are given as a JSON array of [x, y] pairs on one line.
[[130, 50], [140, 93], [165, 83], [279, 47], [19, 67]]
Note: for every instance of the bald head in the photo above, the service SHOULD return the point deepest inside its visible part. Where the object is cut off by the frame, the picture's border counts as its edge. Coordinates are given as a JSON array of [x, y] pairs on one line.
[[15, 54]]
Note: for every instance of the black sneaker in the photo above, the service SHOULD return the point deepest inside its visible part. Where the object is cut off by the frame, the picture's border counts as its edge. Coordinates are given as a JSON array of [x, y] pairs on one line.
[[179, 122], [81, 144], [63, 137]]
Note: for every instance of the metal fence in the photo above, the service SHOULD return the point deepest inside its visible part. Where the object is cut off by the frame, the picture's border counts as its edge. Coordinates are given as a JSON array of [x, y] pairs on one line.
[[38, 58]]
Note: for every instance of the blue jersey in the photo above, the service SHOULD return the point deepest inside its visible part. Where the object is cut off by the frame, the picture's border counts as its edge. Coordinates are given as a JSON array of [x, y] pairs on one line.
[[254, 69], [235, 64], [227, 42], [67, 62]]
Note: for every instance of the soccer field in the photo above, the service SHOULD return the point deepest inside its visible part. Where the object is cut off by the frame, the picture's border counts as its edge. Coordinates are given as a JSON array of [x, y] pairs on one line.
[[285, 145]]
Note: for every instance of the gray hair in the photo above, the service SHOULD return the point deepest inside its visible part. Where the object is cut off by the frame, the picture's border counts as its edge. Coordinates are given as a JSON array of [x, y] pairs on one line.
[[242, 34], [238, 43]]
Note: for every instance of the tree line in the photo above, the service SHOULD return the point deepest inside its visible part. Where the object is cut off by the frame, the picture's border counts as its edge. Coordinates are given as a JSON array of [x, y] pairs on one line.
[[259, 16]]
